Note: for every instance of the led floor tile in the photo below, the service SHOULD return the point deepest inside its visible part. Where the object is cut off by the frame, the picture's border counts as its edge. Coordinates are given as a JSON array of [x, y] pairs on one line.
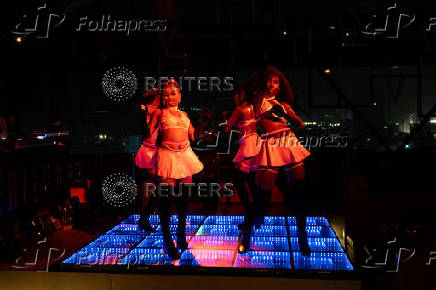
[[263, 259], [218, 230], [146, 256], [154, 219], [224, 220], [314, 231], [207, 258], [270, 231], [156, 242], [274, 221], [127, 229], [213, 242], [189, 231], [116, 241], [310, 221], [318, 244], [269, 244], [322, 261]]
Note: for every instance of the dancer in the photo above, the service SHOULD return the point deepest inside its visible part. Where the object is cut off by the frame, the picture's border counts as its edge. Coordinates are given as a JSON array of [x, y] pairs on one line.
[[146, 170], [243, 118], [175, 163], [280, 149]]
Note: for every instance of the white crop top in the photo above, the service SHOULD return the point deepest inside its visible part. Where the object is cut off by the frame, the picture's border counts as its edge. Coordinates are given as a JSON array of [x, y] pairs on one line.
[[169, 121]]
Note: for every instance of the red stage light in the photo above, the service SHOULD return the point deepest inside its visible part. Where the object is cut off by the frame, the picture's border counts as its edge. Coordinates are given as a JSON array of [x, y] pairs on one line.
[[80, 192]]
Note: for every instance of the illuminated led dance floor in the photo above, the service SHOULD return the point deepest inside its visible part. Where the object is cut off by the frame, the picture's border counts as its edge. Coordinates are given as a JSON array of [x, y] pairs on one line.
[[213, 242]]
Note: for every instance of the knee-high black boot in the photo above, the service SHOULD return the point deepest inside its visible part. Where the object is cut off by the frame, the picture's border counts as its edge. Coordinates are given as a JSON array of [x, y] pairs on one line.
[[144, 218], [164, 207], [298, 192], [294, 193], [257, 210], [239, 180], [182, 213]]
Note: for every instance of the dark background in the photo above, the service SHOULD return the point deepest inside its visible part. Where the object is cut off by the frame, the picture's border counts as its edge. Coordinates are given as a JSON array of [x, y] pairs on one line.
[[59, 78], [378, 94]]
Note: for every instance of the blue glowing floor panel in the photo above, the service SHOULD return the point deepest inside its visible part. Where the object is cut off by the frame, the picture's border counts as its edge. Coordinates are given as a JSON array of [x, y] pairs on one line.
[[213, 242]]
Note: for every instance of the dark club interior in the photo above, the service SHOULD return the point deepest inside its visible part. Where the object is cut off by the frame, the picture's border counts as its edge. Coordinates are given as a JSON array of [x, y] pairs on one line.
[[239, 144]]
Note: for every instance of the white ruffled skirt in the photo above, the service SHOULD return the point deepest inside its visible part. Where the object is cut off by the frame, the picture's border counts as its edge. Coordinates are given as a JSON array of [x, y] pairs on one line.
[[249, 146], [177, 164], [279, 151]]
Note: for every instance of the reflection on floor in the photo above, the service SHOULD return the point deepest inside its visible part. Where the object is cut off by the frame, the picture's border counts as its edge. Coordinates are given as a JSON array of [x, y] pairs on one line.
[[213, 241]]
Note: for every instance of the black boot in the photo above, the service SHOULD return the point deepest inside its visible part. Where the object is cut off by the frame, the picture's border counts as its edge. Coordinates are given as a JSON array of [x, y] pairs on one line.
[[144, 223], [261, 205], [239, 179], [302, 235], [182, 244], [168, 244], [164, 216], [182, 213], [170, 249], [302, 242], [242, 226], [259, 222], [244, 245]]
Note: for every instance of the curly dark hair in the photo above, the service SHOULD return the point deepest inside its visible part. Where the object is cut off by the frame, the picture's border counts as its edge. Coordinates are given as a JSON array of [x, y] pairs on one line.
[[259, 80]]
